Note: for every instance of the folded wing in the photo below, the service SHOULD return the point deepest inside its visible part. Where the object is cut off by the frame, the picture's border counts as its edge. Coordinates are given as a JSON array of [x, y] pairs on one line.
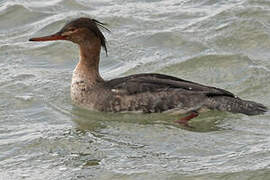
[[140, 83]]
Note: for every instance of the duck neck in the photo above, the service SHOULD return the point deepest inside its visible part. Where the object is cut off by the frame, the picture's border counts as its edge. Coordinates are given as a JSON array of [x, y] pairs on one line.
[[87, 69]]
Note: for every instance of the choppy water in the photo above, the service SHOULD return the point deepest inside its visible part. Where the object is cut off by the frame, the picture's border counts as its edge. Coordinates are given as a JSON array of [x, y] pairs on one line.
[[224, 43]]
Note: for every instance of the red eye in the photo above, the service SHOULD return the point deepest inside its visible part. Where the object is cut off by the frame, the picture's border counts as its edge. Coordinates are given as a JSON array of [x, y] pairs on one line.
[[72, 29]]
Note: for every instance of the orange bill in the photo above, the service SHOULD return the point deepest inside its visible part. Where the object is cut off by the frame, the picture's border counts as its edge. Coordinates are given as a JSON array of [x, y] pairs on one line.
[[53, 37]]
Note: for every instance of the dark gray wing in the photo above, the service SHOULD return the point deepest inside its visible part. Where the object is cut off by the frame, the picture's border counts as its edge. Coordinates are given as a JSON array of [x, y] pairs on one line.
[[140, 83]]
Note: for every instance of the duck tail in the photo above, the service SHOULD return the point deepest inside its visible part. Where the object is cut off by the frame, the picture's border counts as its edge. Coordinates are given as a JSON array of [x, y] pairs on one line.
[[236, 105]]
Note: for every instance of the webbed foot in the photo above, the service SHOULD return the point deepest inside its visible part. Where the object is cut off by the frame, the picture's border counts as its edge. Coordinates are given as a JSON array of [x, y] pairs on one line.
[[184, 120]]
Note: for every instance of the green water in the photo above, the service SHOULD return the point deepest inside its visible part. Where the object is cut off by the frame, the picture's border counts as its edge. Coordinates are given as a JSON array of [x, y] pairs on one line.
[[219, 43]]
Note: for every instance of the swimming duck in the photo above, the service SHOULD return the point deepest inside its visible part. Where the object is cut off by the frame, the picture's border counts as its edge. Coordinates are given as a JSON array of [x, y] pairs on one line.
[[147, 92]]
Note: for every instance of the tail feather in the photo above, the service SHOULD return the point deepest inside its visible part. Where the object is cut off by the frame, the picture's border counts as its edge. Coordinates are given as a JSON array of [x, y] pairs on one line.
[[236, 105]]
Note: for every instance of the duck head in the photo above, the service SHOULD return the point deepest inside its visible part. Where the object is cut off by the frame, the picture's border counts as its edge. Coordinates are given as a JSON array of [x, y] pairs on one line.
[[78, 31]]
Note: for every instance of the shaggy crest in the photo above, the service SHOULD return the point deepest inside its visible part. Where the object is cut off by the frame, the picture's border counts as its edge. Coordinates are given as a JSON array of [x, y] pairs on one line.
[[91, 24]]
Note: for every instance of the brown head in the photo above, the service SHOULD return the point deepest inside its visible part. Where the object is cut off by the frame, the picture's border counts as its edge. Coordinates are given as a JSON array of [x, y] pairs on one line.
[[78, 31]]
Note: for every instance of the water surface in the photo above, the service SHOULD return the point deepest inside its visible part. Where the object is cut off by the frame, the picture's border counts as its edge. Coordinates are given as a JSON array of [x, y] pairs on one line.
[[220, 43]]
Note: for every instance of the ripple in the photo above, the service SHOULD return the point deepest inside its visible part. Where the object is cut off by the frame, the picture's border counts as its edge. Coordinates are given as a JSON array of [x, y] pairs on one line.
[[15, 16], [212, 68]]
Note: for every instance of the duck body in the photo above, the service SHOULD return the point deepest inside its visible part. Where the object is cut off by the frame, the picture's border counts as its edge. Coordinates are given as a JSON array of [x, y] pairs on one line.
[[148, 93], [156, 93]]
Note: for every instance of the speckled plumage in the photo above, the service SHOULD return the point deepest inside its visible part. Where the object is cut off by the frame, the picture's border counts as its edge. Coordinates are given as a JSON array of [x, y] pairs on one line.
[[151, 93]]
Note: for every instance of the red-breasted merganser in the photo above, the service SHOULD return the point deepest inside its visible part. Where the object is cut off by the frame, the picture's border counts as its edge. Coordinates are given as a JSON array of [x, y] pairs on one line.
[[149, 93]]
